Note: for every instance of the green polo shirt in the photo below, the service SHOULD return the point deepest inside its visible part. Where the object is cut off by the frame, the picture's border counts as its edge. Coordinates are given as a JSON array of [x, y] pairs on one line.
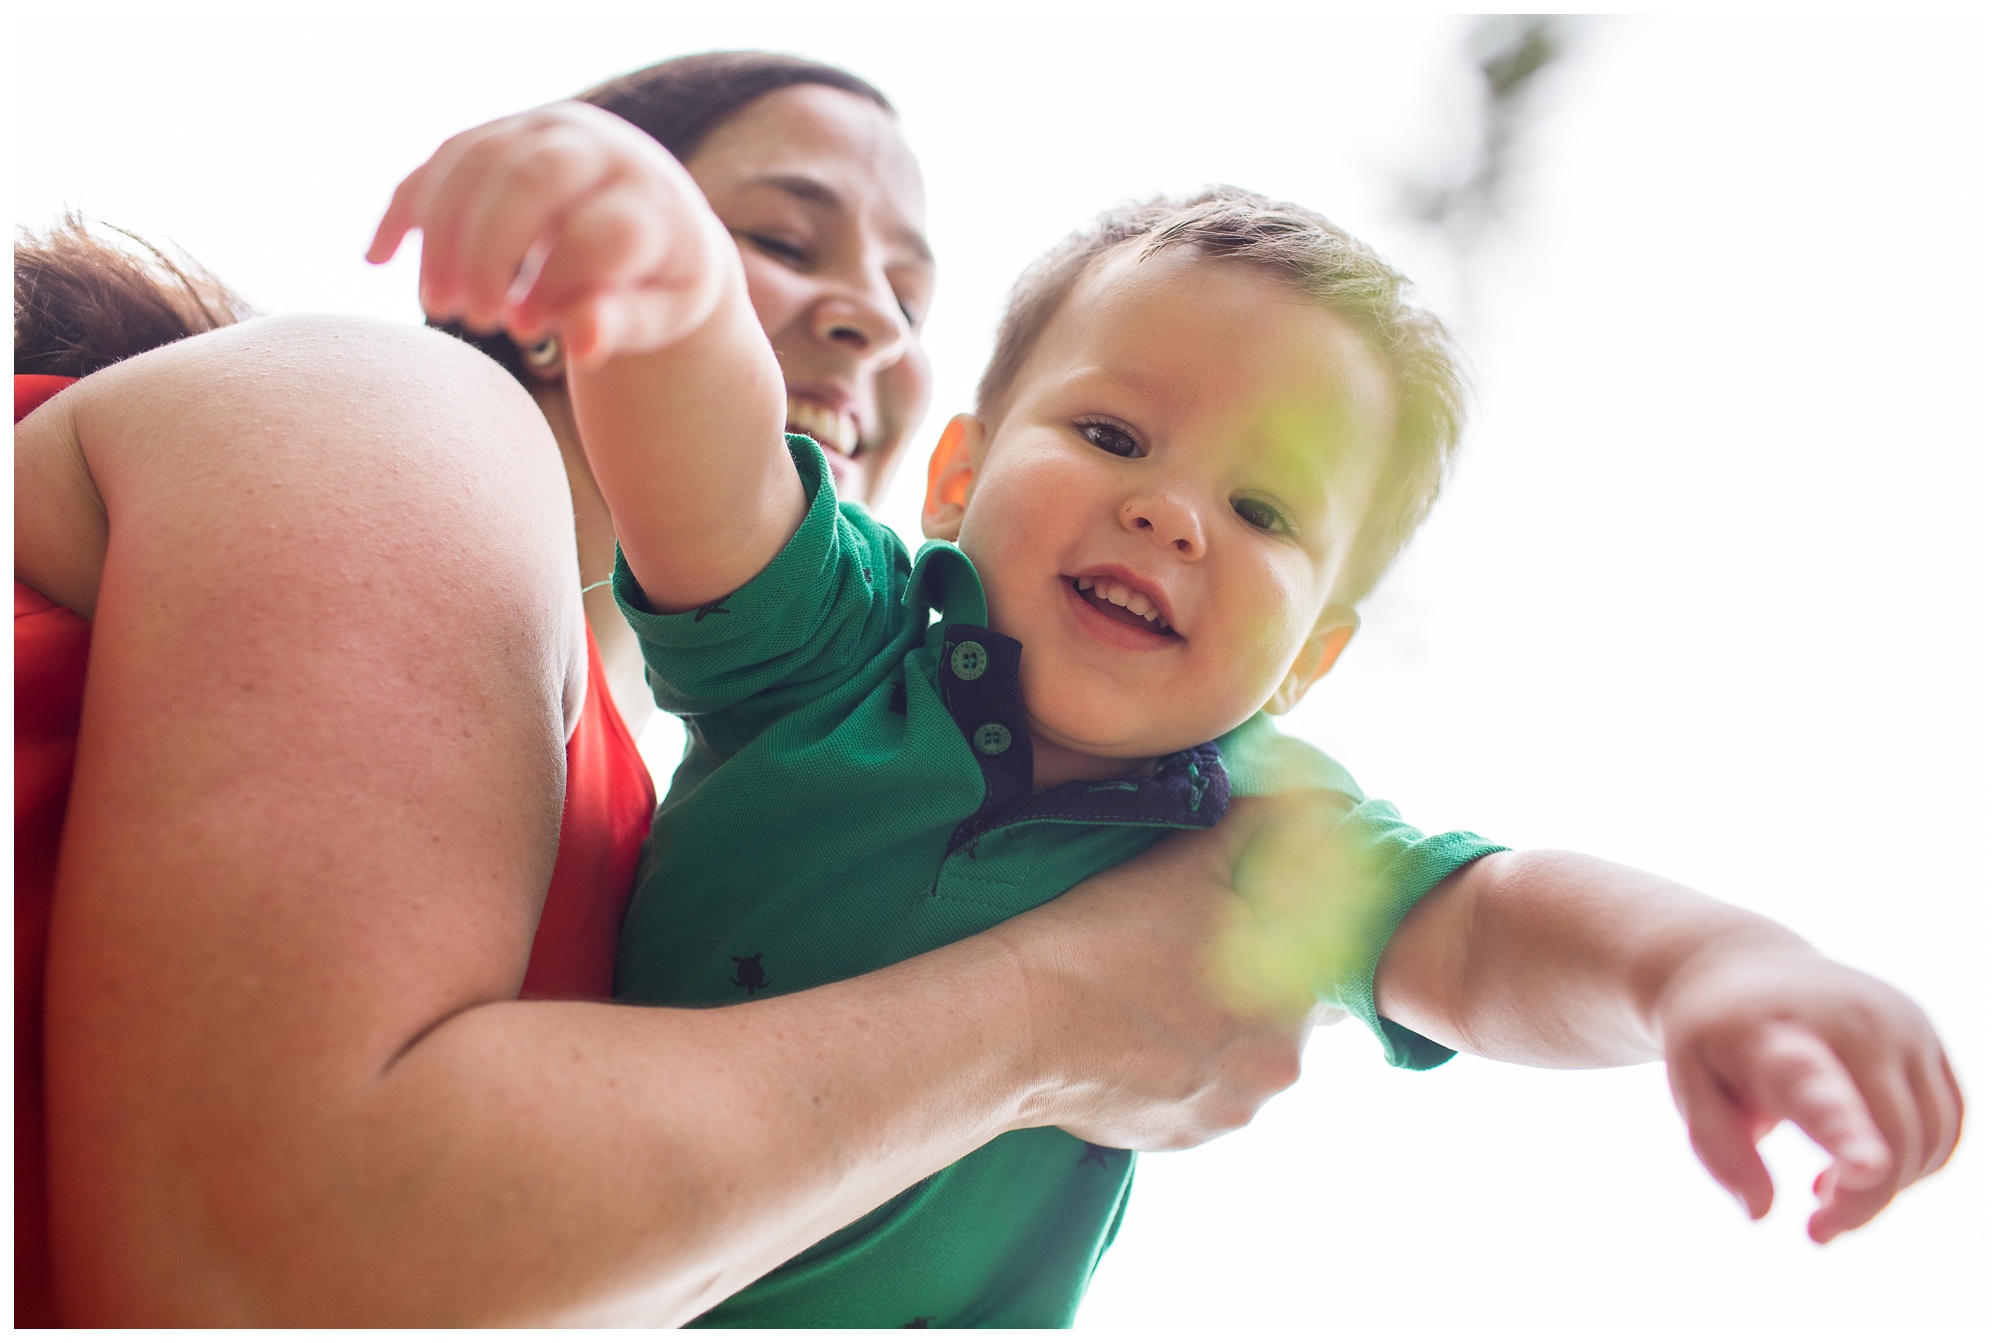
[[858, 790]]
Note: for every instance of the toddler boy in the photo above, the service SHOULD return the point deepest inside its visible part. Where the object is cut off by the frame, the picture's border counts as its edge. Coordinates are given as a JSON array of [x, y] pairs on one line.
[[1207, 428], [1160, 534]]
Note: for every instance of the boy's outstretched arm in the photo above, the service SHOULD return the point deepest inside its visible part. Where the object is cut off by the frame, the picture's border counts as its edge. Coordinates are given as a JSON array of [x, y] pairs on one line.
[[567, 221], [1561, 960]]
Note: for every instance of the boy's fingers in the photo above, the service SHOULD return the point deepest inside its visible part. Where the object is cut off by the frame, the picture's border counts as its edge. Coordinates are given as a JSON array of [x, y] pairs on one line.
[[1850, 1192], [605, 245], [525, 190], [397, 221], [1951, 1107], [592, 331], [1935, 1096], [1723, 1135], [1920, 1083], [456, 171], [1843, 1207], [1795, 1075], [1898, 1114]]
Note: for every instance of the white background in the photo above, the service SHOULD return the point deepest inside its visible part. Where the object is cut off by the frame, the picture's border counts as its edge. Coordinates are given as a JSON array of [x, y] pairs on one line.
[[1711, 593]]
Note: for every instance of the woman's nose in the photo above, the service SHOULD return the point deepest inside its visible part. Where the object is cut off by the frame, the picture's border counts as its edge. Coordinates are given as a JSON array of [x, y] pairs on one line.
[[1167, 521], [867, 323]]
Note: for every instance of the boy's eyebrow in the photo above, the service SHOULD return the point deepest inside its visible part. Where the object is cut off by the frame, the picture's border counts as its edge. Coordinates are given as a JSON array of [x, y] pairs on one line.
[[812, 191], [1153, 388]]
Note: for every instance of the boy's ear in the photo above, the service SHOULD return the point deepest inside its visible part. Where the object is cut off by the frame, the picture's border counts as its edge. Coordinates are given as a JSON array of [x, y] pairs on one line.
[[954, 466], [1316, 659]]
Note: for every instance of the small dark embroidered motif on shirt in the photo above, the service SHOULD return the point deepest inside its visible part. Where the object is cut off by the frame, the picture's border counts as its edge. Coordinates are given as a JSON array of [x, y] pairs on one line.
[[867, 574], [714, 608], [899, 699], [749, 974], [1093, 1155]]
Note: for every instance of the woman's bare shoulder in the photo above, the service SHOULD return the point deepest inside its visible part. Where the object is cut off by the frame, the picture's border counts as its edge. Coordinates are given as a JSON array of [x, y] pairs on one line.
[[295, 443]]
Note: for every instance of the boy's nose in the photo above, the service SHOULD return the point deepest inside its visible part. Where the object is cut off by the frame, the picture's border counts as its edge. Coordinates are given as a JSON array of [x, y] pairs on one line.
[[1168, 522]]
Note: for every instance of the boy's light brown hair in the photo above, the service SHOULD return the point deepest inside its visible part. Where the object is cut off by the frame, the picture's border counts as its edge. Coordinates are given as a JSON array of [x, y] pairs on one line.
[[1323, 263]]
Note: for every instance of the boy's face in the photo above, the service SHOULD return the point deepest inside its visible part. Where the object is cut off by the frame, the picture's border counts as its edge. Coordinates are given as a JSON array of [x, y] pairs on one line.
[[1189, 440]]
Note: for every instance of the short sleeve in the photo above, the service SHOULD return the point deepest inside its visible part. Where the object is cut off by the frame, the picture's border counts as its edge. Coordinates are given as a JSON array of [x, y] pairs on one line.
[[815, 614], [1398, 865], [1330, 881]]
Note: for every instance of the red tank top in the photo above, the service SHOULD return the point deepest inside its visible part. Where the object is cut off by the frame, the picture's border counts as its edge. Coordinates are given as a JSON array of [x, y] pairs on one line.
[[607, 806]]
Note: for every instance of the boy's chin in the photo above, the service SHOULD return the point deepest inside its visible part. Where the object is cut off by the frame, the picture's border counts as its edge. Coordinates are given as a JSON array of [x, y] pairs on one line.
[[1099, 733]]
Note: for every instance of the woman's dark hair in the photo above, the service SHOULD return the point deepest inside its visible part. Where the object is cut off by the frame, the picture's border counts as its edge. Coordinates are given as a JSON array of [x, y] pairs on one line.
[[680, 103], [82, 303]]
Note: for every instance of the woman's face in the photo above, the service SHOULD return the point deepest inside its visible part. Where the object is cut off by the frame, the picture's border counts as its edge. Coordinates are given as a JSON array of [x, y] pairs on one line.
[[826, 203]]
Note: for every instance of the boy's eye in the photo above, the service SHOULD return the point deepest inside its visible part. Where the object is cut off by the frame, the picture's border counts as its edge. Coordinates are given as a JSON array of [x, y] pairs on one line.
[[1264, 517], [1112, 439]]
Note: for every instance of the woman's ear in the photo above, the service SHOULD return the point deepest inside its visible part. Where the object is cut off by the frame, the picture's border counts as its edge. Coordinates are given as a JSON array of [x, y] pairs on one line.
[[544, 359], [954, 466], [1316, 659]]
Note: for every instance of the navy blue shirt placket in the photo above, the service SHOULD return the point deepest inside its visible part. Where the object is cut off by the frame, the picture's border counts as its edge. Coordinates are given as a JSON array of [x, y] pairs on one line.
[[979, 680]]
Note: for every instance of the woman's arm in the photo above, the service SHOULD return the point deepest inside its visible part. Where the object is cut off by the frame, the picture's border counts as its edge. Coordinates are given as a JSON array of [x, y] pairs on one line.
[[314, 813], [1565, 961]]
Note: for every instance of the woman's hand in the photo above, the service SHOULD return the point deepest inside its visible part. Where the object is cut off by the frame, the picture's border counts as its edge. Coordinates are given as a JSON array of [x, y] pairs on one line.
[[1128, 1034], [568, 221], [1759, 1033]]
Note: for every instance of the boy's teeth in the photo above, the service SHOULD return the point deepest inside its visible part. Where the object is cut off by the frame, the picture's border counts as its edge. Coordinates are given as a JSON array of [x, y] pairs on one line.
[[1120, 595], [830, 428]]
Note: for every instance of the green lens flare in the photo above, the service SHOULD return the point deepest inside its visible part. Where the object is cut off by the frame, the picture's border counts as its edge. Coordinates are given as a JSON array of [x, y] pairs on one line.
[[1308, 889]]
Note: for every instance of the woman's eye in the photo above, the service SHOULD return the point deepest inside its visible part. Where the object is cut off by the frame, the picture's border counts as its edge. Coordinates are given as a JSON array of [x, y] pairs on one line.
[[1112, 439], [778, 247], [1259, 514]]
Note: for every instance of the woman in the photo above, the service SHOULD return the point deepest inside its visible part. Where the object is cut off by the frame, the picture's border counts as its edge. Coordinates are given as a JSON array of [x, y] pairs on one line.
[[807, 167], [334, 654]]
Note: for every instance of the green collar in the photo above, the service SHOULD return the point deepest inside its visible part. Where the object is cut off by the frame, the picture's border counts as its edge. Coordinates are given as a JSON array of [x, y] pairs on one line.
[[942, 579]]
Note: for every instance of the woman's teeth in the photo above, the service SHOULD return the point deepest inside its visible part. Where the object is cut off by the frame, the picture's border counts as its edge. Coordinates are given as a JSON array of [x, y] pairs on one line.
[[1120, 595], [831, 428]]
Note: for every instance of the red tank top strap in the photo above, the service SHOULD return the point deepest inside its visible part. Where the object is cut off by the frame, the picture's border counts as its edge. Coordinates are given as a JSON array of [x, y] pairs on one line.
[[31, 389], [607, 810], [51, 650]]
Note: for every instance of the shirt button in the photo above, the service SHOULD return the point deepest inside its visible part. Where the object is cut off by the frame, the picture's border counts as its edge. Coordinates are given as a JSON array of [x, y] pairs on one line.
[[968, 660], [992, 738]]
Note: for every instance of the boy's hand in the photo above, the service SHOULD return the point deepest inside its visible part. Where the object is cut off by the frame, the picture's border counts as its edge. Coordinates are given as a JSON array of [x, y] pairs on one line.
[[1564, 961], [1754, 1035], [568, 221]]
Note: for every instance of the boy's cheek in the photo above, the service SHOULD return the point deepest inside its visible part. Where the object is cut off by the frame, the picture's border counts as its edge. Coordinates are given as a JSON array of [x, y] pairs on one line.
[[1264, 642], [1084, 708]]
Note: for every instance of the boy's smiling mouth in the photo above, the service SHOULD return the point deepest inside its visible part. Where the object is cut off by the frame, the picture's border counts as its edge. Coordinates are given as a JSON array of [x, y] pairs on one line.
[[1122, 602]]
